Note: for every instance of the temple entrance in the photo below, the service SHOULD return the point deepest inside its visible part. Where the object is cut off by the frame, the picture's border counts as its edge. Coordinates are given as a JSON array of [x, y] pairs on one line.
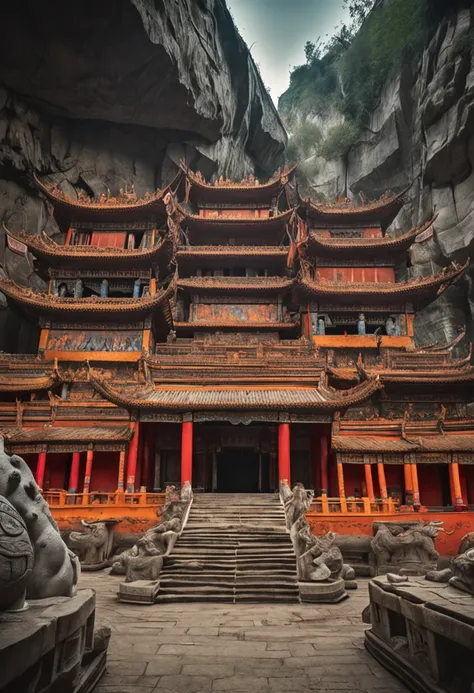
[[239, 470]]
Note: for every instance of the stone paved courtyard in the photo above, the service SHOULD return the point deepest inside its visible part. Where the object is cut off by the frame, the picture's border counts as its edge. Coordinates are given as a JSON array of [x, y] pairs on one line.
[[211, 647]]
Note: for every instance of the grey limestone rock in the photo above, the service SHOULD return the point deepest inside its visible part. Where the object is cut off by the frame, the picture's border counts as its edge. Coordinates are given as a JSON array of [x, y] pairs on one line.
[[422, 131]]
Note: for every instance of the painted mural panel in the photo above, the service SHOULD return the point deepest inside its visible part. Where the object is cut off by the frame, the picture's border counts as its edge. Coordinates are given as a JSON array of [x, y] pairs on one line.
[[219, 312], [94, 340]]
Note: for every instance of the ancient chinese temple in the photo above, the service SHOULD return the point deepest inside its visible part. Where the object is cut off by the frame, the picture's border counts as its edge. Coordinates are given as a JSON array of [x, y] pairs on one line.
[[232, 334]]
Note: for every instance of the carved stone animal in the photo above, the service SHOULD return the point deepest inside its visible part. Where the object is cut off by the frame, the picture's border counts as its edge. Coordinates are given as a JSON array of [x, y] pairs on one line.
[[296, 502], [56, 569], [93, 544], [463, 572], [157, 541], [413, 548], [16, 558], [467, 543], [145, 563]]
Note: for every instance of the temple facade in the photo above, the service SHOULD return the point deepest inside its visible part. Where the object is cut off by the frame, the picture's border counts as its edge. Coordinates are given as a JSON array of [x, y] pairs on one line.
[[234, 335]]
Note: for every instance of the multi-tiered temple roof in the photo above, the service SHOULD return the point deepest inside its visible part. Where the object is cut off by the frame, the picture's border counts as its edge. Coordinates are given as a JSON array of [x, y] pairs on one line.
[[428, 287]]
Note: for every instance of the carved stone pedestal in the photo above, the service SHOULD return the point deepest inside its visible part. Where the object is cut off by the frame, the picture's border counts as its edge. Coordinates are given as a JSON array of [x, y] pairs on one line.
[[423, 632], [139, 591], [324, 592], [51, 646]]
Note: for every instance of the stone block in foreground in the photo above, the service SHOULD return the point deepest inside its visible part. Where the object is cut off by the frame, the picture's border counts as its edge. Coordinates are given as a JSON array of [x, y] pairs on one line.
[[324, 592], [50, 646], [423, 632], [139, 591]]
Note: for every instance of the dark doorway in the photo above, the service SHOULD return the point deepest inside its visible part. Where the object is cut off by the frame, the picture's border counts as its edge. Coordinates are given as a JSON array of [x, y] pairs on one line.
[[238, 470], [445, 485]]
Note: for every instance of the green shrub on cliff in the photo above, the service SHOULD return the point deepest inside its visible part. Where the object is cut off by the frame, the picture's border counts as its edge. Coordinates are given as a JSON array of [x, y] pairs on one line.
[[351, 74], [392, 35], [339, 140]]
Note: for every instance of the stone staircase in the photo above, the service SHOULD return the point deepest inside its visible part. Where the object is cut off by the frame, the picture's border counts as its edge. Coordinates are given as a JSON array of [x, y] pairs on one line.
[[235, 548]]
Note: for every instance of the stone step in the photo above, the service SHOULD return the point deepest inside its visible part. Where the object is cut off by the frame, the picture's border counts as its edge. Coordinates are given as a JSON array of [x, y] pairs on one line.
[[241, 566], [228, 582], [223, 590], [242, 540], [214, 574]]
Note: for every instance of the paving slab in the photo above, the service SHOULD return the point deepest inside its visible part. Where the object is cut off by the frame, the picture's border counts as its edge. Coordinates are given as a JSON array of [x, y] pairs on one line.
[[236, 648]]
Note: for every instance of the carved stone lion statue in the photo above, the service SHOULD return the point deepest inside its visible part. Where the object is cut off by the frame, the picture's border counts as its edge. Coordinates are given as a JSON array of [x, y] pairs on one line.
[[409, 549], [16, 558], [94, 545], [56, 569]]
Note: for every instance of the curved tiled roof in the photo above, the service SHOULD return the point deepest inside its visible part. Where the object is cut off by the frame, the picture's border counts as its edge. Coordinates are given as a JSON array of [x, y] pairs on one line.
[[433, 443], [65, 434], [380, 212], [236, 284], [230, 191], [27, 382], [66, 255], [114, 209], [65, 307], [433, 377], [363, 247], [230, 225], [231, 251], [246, 398], [422, 287]]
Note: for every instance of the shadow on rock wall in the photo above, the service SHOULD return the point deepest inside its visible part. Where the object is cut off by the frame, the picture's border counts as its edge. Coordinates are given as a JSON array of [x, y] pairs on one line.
[[110, 94]]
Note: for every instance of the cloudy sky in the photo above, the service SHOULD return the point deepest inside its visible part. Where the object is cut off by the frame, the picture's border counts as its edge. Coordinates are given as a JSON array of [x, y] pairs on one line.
[[278, 30]]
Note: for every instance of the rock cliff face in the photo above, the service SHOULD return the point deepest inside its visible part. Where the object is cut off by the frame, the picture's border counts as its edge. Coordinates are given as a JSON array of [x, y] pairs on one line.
[[423, 132], [105, 94]]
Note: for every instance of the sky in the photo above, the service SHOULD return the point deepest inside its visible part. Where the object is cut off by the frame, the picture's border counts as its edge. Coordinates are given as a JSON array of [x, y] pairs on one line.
[[279, 29]]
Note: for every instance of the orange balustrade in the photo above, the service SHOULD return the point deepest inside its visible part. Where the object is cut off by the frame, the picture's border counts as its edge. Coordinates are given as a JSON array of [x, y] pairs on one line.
[[136, 512]]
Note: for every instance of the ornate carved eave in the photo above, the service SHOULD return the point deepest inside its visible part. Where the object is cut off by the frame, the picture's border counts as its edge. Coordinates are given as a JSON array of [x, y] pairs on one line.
[[114, 209], [363, 247], [66, 308], [186, 398], [269, 285], [45, 249], [235, 225], [246, 191], [434, 443], [423, 287], [237, 326], [379, 213]]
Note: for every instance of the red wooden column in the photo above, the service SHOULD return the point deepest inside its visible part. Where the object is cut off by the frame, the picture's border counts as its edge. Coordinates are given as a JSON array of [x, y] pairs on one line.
[[88, 472], [369, 481], [186, 451], [121, 471], [132, 457], [457, 498], [416, 488], [381, 475], [323, 442], [74, 473], [284, 463], [408, 481], [40, 469]]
